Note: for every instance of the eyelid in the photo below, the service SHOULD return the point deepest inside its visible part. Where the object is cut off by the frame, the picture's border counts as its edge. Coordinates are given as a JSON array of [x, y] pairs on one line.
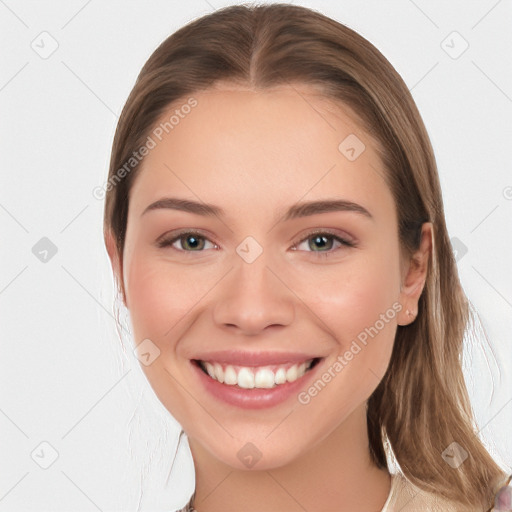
[[178, 233], [326, 231], [168, 239]]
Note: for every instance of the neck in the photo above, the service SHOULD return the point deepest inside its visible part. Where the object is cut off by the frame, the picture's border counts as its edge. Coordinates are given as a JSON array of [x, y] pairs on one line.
[[335, 474]]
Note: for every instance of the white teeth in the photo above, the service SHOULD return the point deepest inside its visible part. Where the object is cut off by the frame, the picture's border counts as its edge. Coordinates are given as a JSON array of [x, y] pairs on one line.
[[264, 378], [249, 377], [280, 377], [230, 377], [291, 373], [245, 378], [219, 374], [210, 370]]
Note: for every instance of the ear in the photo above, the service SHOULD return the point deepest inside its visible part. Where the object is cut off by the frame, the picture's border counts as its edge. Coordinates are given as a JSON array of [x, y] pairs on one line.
[[415, 271], [115, 261]]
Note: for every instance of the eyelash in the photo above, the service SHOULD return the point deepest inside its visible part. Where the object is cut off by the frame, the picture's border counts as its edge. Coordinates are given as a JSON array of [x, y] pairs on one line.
[[344, 242]]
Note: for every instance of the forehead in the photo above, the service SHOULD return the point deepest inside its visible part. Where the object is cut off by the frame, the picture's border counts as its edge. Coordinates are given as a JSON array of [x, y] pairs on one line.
[[251, 151]]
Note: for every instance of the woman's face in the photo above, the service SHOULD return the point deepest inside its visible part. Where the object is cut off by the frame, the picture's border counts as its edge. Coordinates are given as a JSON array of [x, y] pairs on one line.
[[254, 287]]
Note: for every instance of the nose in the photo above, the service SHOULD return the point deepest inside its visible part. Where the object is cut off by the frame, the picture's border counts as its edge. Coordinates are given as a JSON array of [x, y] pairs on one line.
[[253, 297]]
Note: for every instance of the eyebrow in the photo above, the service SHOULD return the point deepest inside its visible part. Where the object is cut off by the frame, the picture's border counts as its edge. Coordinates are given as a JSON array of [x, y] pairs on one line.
[[304, 209]]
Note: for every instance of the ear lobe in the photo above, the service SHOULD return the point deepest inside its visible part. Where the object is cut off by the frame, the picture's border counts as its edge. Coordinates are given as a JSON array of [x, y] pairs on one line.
[[115, 261], [416, 276]]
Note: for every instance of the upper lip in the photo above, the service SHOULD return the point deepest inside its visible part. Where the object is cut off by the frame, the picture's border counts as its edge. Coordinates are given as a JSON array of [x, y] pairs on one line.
[[262, 358]]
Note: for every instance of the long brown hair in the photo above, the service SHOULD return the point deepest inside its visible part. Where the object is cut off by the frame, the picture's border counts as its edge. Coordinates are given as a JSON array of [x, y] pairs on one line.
[[421, 405]]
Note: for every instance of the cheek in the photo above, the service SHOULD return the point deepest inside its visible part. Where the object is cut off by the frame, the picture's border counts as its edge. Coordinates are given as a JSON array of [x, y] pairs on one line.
[[356, 304], [160, 295], [160, 298], [349, 298]]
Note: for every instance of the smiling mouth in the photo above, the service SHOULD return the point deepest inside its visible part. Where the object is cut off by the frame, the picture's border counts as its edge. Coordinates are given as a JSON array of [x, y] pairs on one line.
[[256, 377]]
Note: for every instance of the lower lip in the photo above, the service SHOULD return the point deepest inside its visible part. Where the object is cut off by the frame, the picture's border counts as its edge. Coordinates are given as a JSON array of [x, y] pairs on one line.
[[254, 398]]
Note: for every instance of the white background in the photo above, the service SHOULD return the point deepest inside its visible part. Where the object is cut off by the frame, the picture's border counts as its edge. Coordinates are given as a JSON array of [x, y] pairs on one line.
[[64, 377]]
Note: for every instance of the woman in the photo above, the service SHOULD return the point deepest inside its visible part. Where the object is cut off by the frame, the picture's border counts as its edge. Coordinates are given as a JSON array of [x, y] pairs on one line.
[[275, 223]]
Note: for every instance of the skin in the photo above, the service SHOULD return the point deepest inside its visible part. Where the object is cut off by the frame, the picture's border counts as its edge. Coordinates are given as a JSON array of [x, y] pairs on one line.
[[254, 154]]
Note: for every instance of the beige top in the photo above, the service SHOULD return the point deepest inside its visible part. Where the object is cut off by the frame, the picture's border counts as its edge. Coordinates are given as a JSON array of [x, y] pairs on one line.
[[403, 497], [406, 497]]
